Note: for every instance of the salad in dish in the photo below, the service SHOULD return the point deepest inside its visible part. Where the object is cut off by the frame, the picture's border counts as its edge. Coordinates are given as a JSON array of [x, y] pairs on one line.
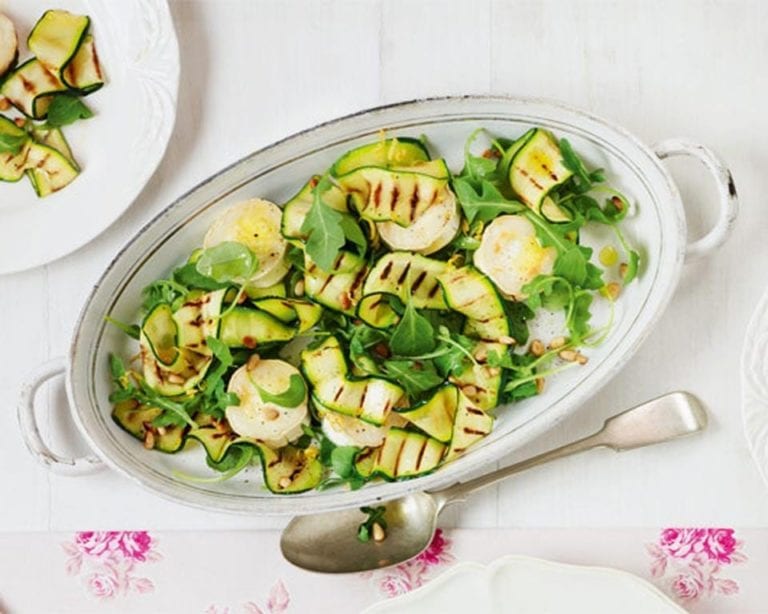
[[373, 326], [47, 91]]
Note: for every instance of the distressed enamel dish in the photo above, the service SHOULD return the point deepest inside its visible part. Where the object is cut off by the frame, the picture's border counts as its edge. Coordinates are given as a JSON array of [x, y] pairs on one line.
[[658, 226]]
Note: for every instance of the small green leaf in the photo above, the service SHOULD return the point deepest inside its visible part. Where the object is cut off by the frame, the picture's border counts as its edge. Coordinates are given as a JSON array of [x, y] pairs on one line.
[[132, 330], [632, 265], [66, 109], [413, 334], [484, 203], [116, 367], [293, 396], [353, 233], [12, 143], [343, 460], [227, 261], [323, 227], [572, 265], [189, 277], [414, 377]]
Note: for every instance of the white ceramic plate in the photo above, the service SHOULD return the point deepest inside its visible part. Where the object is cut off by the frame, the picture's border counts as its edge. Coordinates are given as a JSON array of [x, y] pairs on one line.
[[118, 149], [526, 586], [754, 386]]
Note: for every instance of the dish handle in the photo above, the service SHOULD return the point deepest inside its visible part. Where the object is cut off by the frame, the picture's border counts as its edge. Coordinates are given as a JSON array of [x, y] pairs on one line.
[[30, 430], [726, 192]]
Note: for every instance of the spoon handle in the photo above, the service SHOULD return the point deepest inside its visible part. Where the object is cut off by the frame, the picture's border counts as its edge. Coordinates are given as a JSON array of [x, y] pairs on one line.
[[667, 417]]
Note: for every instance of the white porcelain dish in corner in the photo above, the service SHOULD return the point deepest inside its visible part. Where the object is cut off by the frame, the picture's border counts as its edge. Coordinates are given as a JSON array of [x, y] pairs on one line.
[[530, 586], [118, 149], [275, 172]]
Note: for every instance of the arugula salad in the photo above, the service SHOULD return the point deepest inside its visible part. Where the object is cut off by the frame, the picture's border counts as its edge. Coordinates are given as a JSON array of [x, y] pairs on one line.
[[46, 90], [371, 326]]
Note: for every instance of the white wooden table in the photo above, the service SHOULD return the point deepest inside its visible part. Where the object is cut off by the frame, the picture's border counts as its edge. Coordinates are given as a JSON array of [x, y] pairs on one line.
[[255, 71]]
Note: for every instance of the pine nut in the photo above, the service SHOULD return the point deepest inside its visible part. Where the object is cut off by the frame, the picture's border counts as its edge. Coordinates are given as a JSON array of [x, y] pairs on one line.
[[481, 355], [161, 430], [537, 348], [469, 390], [623, 268], [253, 362], [569, 355], [284, 482], [298, 289], [539, 384], [493, 371], [507, 340], [5, 104], [149, 440], [378, 532], [581, 359], [613, 290], [557, 343], [270, 413]]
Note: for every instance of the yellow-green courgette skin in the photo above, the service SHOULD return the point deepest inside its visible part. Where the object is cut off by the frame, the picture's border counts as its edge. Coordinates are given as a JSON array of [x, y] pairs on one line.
[[472, 294], [387, 153]]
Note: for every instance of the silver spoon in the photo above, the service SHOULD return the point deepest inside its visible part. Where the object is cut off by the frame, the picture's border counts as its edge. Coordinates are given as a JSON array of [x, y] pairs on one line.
[[328, 542]]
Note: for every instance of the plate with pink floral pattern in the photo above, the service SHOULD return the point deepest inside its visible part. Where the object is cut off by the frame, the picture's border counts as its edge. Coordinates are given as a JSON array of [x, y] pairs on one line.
[[522, 584], [754, 386]]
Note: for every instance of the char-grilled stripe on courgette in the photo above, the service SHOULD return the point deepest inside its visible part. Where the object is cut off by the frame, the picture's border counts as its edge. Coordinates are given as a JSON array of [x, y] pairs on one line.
[[396, 195], [340, 288], [471, 293], [31, 87], [83, 73], [376, 310], [398, 152], [54, 138], [56, 37], [48, 170], [470, 426], [183, 375], [536, 168], [248, 328], [407, 454], [296, 209], [435, 415], [137, 420], [198, 318], [404, 274], [304, 314]]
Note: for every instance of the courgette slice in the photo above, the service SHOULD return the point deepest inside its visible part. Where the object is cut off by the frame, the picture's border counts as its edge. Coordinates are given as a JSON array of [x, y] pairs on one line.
[[376, 310], [9, 46], [137, 420], [175, 379], [471, 293], [83, 73], [404, 274], [288, 470], [399, 152], [56, 38], [339, 289], [536, 168], [248, 328], [160, 331], [407, 454], [479, 382], [296, 209], [30, 88], [469, 427], [48, 170], [275, 290], [54, 138], [13, 165], [435, 415], [324, 361], [197, 319], [371, 399], [296, 312], [393, 195]]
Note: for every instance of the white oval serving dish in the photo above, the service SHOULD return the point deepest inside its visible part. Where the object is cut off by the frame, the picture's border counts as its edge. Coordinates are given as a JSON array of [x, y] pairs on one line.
[[658, 226]]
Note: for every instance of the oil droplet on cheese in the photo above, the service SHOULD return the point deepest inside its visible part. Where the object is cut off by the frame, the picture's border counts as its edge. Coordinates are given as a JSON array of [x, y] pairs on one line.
[[608, 256]]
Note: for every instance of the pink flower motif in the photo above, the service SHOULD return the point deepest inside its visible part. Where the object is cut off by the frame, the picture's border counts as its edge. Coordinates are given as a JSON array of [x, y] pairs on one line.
[[720, 545], [94, 543], [681, 542], [687, 587], [278, 598], [433, 555], [393, 585], [102, 584], [133, 544]]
